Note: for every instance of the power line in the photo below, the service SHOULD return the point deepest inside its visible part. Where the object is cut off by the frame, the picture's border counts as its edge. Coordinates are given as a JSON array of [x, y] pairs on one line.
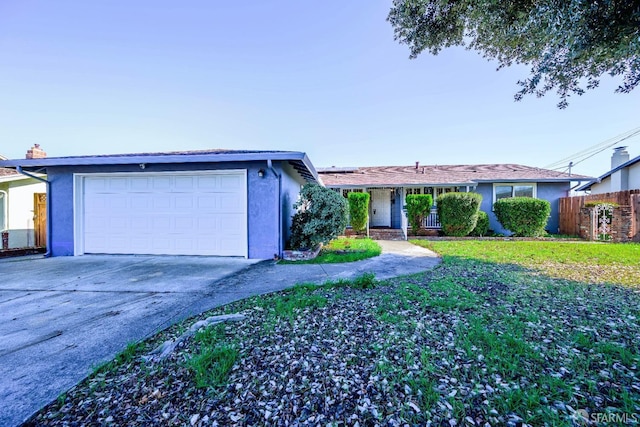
[[589, 152]]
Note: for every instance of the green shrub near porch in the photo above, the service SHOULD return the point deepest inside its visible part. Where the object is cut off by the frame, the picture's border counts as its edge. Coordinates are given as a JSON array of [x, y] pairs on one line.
[[358, 210], [458, 213], [321, 217], [523, 216], [418, 206], [482, 225]]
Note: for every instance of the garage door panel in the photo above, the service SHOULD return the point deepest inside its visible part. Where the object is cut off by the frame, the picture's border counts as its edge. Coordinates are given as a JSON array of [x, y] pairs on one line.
[[183, 202], [184, 183], [231, 182], [162, 183], [207, 182], [140, 184], [141, 202], [117, 185], [200, 214]]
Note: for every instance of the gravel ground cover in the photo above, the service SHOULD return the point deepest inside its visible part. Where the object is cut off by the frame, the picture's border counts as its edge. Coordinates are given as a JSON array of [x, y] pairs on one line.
[[473, 342]]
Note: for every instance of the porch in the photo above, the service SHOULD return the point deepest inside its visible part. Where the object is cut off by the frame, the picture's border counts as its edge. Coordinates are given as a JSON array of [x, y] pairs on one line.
[[387, 216]]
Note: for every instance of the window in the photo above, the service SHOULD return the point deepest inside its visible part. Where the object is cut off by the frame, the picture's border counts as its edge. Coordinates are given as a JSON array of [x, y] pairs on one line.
[[413, 191], [3, 210], [346, 191], [505, 191]]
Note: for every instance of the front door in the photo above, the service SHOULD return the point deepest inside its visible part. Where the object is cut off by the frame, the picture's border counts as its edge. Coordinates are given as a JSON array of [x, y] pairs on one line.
[[40, 219], [380, 208]]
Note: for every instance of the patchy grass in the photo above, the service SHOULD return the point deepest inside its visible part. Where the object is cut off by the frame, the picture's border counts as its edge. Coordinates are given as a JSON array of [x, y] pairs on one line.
[[474, 341], [590, 262], [213, 359], [344, 249]]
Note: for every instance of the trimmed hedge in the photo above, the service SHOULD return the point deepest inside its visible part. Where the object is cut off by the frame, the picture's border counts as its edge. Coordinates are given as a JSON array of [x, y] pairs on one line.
[[358, 210], [458, 213], [321, 217], [523, 216], [418, 206], [482, 225]]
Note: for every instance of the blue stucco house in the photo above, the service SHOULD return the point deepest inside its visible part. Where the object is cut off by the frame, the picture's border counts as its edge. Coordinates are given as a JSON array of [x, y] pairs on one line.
[[210, 202], [389, 185]]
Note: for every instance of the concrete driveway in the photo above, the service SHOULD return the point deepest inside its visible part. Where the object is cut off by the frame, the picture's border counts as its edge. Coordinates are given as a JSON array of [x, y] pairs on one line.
[[60, 317]]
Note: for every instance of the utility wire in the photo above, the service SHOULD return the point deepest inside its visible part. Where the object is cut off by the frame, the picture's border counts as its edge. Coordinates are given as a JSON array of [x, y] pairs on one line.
[[587, 153]]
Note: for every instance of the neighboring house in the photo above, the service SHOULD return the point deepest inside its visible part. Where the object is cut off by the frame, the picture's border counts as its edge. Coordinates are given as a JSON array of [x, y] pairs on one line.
[[624, 175], [22, 208], [210, 202], [389, 186]]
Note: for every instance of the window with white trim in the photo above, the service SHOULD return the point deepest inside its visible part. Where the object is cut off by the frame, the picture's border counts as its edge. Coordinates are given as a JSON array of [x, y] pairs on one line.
[[508, 190], [3, 210]]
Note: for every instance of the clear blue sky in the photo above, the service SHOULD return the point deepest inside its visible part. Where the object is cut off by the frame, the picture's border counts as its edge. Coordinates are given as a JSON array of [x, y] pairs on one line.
[[327, 78]]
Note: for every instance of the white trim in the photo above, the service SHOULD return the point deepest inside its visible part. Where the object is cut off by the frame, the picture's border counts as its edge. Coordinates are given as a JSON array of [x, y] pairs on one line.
[[515, 184], [6, 211], [78, 199]]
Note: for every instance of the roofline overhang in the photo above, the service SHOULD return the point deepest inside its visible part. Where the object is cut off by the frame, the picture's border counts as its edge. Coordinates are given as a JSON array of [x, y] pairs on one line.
[[458, 184], [599, 179], [18, 177], [447, 184], [588, 185], [45, 162], [573, 179]]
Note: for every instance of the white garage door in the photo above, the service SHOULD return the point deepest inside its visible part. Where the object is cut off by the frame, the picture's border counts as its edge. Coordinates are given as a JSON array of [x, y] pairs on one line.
[[164, 214]]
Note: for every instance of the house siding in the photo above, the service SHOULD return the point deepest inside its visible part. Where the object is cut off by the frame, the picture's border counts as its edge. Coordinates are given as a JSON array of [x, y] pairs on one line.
[[262, 201], [292, 182], [550, 191], [20, 210], [625, 179]]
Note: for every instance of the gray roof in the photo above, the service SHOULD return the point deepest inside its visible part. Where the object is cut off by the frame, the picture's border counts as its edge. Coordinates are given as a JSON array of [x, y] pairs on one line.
[[588, 185], [298, 160], [426, 175]]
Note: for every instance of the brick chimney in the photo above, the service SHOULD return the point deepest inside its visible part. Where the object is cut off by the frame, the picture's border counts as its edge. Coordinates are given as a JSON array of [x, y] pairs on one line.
[[35, 152]]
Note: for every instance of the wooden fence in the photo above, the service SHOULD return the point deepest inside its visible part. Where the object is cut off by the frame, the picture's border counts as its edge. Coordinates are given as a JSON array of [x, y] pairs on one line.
[[569, 208]]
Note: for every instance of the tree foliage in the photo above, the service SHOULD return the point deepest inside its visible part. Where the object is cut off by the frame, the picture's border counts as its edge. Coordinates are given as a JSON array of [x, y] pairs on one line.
[[358, 210], [569, 44], [321, 217]]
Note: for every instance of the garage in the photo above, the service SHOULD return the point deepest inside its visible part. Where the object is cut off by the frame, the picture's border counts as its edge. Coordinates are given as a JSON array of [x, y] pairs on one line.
[[176, 213]]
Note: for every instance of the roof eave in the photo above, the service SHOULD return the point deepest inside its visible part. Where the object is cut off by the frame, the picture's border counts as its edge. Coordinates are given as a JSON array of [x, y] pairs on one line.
[[170, 158]]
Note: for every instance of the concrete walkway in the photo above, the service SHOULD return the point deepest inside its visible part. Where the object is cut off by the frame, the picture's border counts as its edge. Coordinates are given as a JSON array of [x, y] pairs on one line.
[[60, 317]]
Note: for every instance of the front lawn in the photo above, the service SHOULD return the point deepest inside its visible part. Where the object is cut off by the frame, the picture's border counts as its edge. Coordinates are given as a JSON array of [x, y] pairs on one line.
[[489, 336], [582, 261], [344, 249]]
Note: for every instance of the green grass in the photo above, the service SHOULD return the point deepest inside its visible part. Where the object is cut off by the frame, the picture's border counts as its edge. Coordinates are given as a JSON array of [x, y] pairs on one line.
[[214, 358], [342, 250], [126, 356], [590, 262]]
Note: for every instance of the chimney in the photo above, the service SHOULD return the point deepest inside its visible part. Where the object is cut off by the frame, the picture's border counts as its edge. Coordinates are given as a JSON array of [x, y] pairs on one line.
[[36, 152], [620, 156], [417, 165]]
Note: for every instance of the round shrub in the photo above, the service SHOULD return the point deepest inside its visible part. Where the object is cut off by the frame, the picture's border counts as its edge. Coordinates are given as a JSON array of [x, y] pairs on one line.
[[458, 212], [482, 225], [418, 206], [358, 210], [523, 216], [321, 217]]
